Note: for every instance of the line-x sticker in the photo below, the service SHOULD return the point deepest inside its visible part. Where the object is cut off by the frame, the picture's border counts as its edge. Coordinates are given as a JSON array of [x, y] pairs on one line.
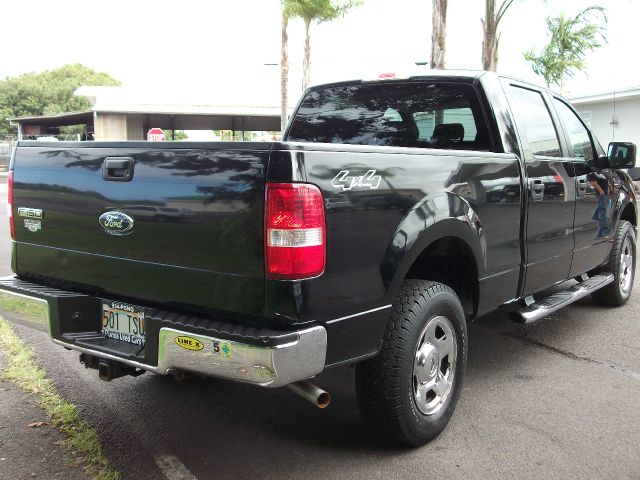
[[189, 343]]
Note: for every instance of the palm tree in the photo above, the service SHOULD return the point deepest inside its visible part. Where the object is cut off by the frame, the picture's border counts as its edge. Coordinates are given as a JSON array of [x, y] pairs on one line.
[[571, 39], [285, 6], [491, 37], [438, 33], [318, 11]]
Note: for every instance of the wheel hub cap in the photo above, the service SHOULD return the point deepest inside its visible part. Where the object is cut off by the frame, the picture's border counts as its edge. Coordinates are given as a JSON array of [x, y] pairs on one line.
[[435, 364], [426, 362], [626, 267]]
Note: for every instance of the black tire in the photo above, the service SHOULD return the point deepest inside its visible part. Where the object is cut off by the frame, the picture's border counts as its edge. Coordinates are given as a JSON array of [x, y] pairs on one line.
[[624, 246], [386, 384]]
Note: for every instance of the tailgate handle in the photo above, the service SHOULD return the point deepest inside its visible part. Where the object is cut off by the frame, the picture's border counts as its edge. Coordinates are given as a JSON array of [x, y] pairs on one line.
[[118, 169]]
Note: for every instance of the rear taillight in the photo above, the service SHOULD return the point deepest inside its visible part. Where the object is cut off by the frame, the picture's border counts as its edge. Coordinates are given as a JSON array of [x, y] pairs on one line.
[[295, 231], [10, 204]]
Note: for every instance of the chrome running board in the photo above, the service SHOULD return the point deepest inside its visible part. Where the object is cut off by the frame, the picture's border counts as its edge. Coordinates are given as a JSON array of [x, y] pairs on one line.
[[546, 306]]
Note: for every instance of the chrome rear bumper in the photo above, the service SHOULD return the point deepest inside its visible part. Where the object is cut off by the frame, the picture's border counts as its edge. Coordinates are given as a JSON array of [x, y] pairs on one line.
[[270, 365], [265, 366]]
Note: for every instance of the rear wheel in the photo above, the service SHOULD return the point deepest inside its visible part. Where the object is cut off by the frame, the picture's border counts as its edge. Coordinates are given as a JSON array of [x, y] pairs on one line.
[[622, 263], [409, 391]]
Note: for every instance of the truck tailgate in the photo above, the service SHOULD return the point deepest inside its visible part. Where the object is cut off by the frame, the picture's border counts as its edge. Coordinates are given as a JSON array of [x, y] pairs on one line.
[[196, 212]]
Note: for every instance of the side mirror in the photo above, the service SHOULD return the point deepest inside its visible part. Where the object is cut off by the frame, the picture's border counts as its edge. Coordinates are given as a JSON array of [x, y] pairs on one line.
[[621, 155]]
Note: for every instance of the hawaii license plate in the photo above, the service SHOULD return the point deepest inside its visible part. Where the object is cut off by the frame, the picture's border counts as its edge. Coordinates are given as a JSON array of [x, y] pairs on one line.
[[123, 322]]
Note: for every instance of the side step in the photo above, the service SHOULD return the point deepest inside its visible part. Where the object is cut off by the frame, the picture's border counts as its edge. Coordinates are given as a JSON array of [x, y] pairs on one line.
[[546, 306]]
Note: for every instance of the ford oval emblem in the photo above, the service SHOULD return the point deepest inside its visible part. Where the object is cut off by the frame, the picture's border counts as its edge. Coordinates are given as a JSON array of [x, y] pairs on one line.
[[116, 223]]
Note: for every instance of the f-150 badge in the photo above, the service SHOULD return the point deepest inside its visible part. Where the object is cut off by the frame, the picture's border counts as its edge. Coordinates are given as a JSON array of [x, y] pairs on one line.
[[343, 181], [33, 218], [30, 212]]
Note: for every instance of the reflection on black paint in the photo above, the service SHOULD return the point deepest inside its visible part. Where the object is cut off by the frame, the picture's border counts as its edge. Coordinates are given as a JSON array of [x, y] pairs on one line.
[[215, 196], [481, 182], [602, 212]]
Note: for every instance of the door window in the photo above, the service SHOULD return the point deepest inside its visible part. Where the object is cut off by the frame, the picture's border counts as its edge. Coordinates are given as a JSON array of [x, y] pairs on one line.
[[579, 137], [536, 120]]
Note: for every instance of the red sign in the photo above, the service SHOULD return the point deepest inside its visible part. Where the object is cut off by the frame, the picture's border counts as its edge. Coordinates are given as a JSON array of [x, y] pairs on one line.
[[155, 135]]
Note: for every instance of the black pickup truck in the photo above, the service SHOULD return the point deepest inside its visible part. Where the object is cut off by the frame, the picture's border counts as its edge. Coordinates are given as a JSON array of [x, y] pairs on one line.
[[393, 212]]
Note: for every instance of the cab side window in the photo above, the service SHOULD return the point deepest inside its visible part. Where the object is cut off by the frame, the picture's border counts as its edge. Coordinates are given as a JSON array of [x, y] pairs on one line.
[[536, 119], [579, 137]]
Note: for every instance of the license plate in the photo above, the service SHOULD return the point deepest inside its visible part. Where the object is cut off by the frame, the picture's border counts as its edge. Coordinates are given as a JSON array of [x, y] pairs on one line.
[[123, 322]]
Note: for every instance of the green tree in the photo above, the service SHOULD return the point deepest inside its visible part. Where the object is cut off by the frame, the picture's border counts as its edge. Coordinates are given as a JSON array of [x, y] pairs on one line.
[[235, 135], [438, 33], [571, 39], [176, 134], [317, 11], [47, 93]]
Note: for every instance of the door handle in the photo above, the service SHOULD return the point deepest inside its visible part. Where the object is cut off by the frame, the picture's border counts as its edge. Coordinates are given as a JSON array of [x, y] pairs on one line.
[[582, 186], [536, 187], [118, 169]]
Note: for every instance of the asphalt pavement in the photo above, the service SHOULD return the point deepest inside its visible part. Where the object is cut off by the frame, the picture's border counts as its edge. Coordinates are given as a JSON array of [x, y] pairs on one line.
[[28, 444], [556, 399]]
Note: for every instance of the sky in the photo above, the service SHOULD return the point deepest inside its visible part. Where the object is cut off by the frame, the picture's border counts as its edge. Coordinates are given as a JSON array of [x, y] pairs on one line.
[[230, 47]]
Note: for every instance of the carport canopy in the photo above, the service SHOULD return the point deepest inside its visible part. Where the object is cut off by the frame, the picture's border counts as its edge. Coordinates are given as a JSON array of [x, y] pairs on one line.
[[223, 121], [186, 109], [119, 113], [59, 120], [239, 120]]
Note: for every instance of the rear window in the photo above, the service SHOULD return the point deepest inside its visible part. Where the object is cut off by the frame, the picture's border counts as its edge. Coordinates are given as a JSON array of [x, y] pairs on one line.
[[413, 114]]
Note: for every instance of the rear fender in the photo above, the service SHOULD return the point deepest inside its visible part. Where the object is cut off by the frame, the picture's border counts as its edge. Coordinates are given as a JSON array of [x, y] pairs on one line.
[[433, 218], [626, 195]]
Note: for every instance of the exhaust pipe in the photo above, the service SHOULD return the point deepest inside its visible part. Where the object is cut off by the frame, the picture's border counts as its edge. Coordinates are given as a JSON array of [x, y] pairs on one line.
[[311, 393]]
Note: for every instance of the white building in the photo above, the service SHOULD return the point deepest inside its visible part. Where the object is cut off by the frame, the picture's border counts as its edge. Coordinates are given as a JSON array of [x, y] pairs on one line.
[[612, 116]]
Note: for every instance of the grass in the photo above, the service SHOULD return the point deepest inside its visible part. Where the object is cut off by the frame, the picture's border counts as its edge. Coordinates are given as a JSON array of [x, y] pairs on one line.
[[27, 310], [81, 440]]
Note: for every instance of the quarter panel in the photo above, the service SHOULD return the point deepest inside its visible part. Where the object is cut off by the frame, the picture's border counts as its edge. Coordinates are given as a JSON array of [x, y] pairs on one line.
[[376, 228]]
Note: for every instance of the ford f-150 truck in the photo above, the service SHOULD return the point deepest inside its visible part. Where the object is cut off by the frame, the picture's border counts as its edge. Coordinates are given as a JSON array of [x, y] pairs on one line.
[[391, 213]]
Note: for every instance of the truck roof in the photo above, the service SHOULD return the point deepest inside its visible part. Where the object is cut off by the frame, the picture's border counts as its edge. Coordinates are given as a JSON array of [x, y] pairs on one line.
[[458, 75], [465, 76]]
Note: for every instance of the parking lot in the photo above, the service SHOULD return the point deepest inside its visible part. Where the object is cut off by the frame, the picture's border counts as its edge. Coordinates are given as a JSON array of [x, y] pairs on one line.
[[556, 399]]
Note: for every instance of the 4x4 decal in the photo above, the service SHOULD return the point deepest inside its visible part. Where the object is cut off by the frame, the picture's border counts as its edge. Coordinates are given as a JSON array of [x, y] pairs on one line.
[[343, 181]]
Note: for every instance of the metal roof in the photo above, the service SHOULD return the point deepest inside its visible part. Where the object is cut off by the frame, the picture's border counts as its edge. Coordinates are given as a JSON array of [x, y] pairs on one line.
[[622, 94], [177, 101], [186, 109], [58, 120], [176, 110]]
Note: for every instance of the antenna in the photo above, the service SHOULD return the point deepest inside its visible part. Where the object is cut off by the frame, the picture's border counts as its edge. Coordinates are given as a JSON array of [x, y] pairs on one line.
[[614, 119]]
